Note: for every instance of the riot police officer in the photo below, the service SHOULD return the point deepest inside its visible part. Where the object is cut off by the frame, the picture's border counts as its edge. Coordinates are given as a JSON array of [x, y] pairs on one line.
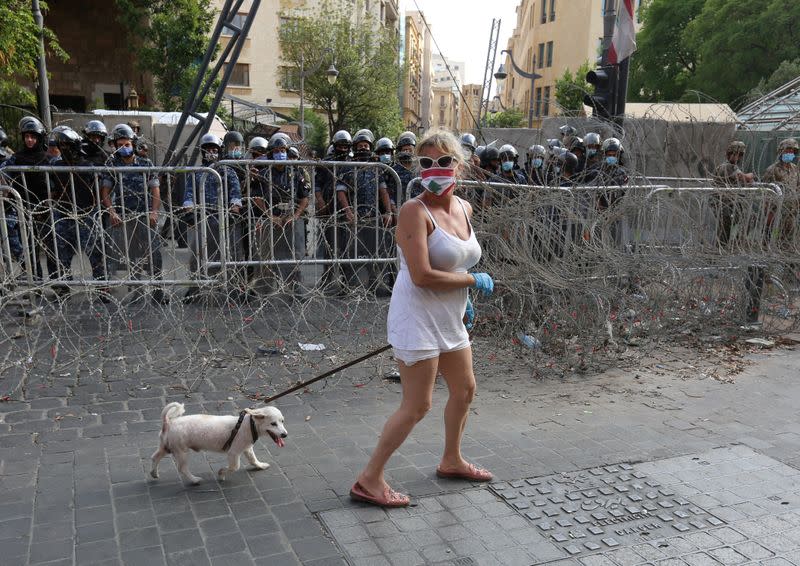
[[78, 228], [94, 140], [33, 187], [201, 198], [133, 202], [729, 173], [536, 171], [282, 197]]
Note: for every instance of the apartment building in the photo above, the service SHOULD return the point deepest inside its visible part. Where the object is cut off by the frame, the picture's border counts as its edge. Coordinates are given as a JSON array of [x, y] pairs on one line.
[[260, 76], [470, 107], [550, 37], [417, 96], [444, 77], [445, 111]]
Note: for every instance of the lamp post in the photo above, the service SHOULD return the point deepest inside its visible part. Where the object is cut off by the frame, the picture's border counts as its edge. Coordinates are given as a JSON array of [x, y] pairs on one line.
[[501, 74], [332, 73]]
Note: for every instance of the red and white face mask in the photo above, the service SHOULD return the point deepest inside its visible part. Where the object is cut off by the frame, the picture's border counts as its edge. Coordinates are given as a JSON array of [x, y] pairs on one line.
[[439, 180]]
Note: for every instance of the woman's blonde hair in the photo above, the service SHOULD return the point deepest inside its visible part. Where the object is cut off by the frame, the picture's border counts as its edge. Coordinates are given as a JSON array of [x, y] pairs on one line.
[[444, 141]]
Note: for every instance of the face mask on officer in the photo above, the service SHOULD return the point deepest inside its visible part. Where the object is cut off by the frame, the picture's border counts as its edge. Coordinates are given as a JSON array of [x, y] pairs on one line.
[[210, 154], [787, 157], [591, 152], [507, 166], [235, 152], [279, 155], [385, 158], [538, 162], [125, 150], [611, 160]]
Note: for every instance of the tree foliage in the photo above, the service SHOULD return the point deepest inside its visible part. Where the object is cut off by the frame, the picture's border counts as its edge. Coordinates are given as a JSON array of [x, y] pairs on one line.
[[317, 127], [664, 62], [721, 48], [366, 92], [19, 50], [172, 37], [786, 71], [570, 90], [508, 118]]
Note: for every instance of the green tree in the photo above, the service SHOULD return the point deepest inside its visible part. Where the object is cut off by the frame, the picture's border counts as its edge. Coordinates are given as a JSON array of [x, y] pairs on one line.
[[366, 92], [509, 118], [19, 50], [171, 40], [570, 90], [317, 138], [739, 43], [786, 71], [664, 61]]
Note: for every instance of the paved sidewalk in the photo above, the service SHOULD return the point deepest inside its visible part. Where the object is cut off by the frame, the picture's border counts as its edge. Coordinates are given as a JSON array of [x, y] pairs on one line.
[[672, 470]]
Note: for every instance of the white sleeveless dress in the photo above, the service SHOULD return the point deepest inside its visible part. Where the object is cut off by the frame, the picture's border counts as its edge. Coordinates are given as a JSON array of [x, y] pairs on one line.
[[422, 322]]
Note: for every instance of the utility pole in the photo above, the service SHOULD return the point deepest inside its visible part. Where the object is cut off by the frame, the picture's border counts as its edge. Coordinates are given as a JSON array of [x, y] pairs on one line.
[[43, 88]]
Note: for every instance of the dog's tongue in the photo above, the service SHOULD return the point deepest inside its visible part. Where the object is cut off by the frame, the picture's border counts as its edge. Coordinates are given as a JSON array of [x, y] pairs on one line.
[[279, 441]]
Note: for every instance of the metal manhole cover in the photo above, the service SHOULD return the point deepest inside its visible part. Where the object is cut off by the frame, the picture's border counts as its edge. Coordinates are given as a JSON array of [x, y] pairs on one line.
[[602, 508]]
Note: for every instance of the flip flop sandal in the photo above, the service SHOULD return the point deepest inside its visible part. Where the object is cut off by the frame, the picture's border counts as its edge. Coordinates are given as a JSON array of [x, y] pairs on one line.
[[474, 473], [390, 498]]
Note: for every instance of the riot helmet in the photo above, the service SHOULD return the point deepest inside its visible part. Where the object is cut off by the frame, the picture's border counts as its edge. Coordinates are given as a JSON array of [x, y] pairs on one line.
[[233, 144], [95, 129], [68, 142], [210, 147], [257, 146], [469, 142]]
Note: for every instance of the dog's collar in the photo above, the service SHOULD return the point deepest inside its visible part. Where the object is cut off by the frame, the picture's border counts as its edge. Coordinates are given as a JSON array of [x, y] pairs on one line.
[[236, 428]]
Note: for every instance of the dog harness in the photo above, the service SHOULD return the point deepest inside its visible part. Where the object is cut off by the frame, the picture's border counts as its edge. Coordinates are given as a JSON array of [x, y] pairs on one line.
[[236, 428]]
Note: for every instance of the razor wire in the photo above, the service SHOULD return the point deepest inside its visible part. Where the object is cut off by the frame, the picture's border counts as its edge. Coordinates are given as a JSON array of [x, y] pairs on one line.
[[266, 299]]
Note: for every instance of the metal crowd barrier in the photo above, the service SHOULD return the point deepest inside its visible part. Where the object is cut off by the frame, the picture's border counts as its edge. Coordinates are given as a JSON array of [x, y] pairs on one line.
[[46, 228]]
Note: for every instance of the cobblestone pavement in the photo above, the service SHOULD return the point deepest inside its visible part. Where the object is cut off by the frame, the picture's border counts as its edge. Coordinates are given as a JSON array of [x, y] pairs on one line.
[[619, 468]]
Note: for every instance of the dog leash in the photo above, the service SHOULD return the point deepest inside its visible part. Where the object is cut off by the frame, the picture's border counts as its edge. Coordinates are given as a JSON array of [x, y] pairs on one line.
[[236, 428], [328, 373]]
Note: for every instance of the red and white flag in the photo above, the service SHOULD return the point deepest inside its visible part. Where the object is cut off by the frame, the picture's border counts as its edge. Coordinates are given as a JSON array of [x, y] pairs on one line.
[[623, 43]]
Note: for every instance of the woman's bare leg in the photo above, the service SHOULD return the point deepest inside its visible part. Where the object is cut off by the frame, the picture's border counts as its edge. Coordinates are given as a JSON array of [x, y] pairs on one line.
[[417, 381], [456, 368]]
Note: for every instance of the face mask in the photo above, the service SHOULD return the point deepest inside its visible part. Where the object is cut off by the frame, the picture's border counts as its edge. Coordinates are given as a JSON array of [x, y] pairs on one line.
[[611, 160], [125, 151], [557, 170], [439, 180], [507, 166], [236, 154], [210, 156], [787, 157], [538, 162], [279, 155], [385, 158], [591, 152]]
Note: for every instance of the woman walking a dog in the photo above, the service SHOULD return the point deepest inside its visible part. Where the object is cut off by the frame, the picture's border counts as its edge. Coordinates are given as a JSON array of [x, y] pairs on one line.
[[437, 248]]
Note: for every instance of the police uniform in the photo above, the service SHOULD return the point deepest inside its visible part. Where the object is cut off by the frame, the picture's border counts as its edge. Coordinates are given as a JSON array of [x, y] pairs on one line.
[[282, 188], [132, 199], [787, 176], [78, 229], [34, 190], [368, 238], [329, 247], [208, 184]]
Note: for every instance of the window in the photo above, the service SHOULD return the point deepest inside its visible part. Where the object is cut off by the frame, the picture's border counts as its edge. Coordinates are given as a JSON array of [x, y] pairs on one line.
[[287, 24], [549, 53], [240, 75], [237, 20], [541, 55], [538, 106], [289, 78], [546, 110], [544, 12], [552, 10]]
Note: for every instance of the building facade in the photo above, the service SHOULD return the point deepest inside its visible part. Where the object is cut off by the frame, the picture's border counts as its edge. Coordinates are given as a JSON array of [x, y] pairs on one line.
[[444, 77], [413, 46], [260, 75], [445, 111], [467, 120], [550, 37]]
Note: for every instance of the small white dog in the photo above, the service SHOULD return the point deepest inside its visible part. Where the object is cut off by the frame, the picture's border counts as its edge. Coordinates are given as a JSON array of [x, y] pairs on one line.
[[228, 434]]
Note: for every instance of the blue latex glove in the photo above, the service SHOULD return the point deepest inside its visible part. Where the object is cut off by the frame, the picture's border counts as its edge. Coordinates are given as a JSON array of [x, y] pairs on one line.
[[483, 283], [470, 315]]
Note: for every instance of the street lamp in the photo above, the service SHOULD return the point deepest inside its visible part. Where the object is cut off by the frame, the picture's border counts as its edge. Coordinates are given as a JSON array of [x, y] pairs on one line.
[[332, 73], [502, 74]]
